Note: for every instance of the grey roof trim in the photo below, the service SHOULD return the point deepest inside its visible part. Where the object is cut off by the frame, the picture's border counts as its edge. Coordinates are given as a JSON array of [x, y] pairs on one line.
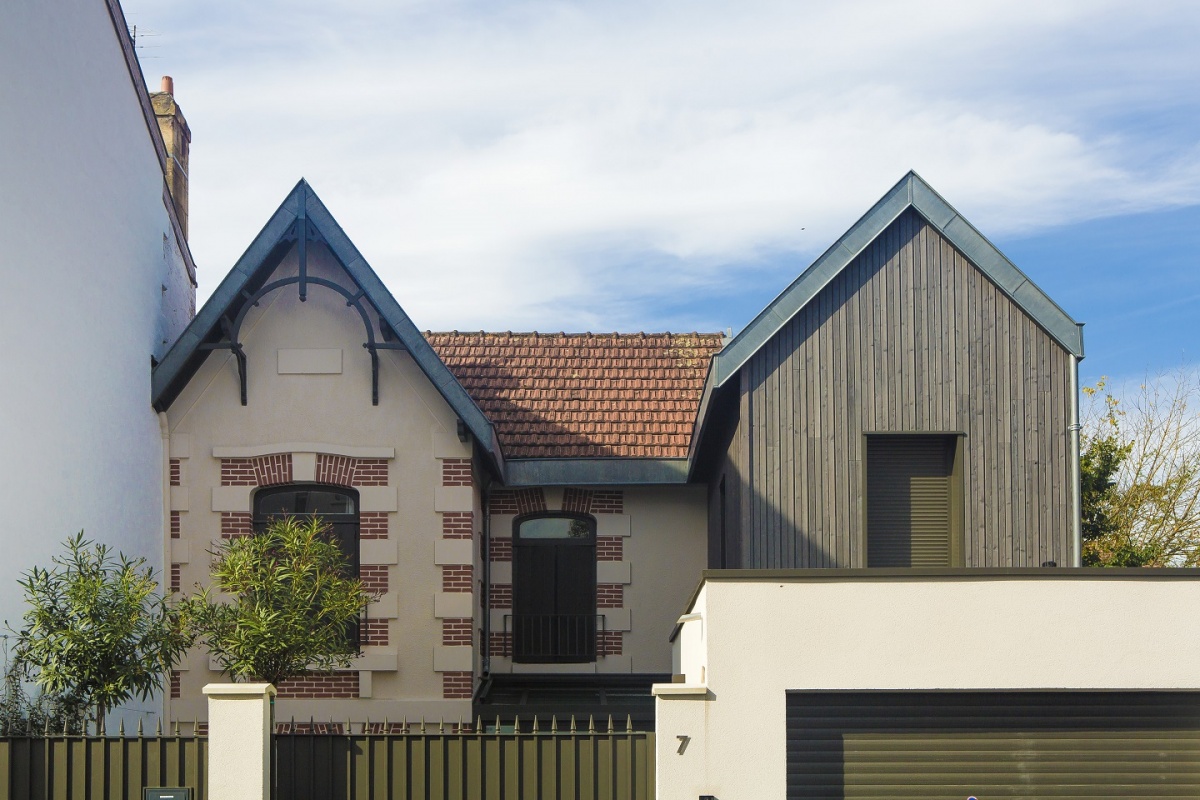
[[184, 357], [911, 192], [596, 471]]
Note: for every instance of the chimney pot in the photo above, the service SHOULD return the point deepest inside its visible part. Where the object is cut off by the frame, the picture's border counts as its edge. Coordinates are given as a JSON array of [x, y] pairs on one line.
[[168, 84]]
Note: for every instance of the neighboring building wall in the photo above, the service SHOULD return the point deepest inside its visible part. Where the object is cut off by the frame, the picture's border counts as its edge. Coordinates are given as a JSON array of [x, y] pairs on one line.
[[649, 550], [910, 337], [95, 283], [750, 641], [309, 419]]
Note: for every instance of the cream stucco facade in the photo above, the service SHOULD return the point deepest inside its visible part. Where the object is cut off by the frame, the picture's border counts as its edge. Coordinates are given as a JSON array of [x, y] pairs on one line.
[[747, 640]]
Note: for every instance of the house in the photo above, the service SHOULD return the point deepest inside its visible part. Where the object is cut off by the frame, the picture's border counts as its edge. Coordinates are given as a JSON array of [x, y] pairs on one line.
[[98, 282]]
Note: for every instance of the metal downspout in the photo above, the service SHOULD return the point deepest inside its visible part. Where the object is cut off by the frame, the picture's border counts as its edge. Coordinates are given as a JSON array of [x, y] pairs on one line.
[[1077, 498]]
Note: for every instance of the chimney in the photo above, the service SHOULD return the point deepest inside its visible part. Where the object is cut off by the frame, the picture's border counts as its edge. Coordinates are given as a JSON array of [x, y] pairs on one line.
[[177, 137]]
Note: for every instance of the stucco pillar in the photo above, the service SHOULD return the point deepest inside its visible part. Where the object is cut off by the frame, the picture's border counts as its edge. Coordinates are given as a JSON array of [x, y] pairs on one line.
[[239, 740]]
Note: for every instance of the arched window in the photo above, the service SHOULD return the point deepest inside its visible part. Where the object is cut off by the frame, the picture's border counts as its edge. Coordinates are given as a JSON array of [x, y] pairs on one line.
[[554, 588]]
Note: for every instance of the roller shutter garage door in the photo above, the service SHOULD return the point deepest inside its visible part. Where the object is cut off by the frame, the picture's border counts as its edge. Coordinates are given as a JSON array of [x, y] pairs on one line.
[[956, 745]]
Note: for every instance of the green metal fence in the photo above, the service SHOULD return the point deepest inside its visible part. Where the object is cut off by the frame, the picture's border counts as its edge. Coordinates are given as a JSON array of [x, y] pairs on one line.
[[440, 763], [100, 767]]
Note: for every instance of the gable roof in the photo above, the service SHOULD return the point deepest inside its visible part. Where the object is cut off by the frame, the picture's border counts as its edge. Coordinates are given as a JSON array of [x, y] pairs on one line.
[[911, 192], [303, 207], [584, 395]]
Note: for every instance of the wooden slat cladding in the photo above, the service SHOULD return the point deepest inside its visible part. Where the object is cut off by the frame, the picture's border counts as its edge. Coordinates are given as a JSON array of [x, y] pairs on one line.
[[911, 337], [932, 745]]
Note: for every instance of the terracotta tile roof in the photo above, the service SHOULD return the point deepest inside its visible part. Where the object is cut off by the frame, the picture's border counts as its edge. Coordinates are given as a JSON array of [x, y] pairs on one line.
[[584, 395]]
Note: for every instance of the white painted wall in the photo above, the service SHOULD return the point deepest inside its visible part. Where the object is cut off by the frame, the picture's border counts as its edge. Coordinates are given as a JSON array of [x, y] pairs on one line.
[[748, 642], [86, 245]]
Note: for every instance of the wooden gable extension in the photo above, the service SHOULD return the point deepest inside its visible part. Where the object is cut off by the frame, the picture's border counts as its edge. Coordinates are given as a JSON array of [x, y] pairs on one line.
[[300, 219], [910, 335]]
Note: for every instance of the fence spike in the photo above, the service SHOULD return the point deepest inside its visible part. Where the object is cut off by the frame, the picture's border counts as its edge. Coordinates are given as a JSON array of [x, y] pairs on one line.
[[516, 723], [554, 723], [45, 727], [460, 725], [312, 724], [535, 724], [293, 728], [422, 723], [442, 725], [497, 731], [387, 728], [158, 727], [591, 723], [572, 723], [349, 729], [629, 723], [121, 728], [404, 724], [176, 726], [479, 723], [139, 727]]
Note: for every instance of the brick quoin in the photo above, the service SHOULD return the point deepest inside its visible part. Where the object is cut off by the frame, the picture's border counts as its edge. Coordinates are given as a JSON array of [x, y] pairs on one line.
[[610, 548], [176, 577], [175, 683], [457, 685], [457, 578], [316, 685], [175, 525], [501, 550], [610, 643], [374, 578], [238, 472], [373, 525], [456, 472], [374, 632], [236, 523], [201, 729], [610, 501], [500, 644], [610, 595], [457, 524], [175, 471], [347, 471], [458, 631], [501, 595]]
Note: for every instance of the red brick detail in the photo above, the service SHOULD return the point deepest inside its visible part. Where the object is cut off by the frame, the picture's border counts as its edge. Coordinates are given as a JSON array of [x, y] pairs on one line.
[[458, 524], [578, 501], [456, 472], [347, 471], [201, 728], [373, 525], [457, 685], [457, 578], [501, 595], [517, 501], [176, 577], [374, 632], [374, 578], [236, 523], [501, 644], [611, 501], [458, 631], [176, 691], [175, 471], [315, 684], [610, 548], [260, 471], [610, 643], [501, 550], [174, 524], [610, 595]]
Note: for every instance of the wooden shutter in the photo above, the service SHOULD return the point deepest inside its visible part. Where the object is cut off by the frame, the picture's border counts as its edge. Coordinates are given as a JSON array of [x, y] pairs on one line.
[[909, 500]]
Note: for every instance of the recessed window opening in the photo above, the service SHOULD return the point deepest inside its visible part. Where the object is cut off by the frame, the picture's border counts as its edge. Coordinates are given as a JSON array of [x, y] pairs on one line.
[[554, 589]]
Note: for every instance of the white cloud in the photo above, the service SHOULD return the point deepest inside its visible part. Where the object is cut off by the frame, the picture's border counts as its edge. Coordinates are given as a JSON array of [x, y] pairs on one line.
[[507, 165]]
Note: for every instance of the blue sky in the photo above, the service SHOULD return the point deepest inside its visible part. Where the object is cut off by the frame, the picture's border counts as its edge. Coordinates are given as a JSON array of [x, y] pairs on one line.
[[674, 165]]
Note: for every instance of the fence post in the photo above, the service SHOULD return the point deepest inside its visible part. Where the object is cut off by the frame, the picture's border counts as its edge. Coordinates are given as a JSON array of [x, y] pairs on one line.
[[239, 740]]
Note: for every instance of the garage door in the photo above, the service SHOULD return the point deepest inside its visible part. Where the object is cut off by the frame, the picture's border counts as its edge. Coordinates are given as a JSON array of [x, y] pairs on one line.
[[993, 745]]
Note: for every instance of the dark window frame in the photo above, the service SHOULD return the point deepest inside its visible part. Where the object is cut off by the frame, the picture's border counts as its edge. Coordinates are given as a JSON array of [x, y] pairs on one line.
[[575, 644]]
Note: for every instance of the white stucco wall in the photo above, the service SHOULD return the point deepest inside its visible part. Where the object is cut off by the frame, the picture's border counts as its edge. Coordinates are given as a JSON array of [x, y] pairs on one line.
[[86, 247], [748, 642]]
